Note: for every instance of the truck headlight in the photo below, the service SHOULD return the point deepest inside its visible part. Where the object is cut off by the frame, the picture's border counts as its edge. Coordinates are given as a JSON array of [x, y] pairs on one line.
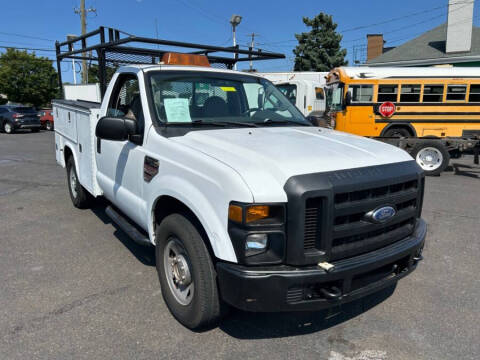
[[258, 232], [256, 244]]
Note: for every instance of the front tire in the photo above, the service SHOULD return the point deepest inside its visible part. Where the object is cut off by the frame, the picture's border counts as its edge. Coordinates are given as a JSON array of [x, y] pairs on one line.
[[397, 132], [186, 273], [78, 194], [49, 126], [431, 156]]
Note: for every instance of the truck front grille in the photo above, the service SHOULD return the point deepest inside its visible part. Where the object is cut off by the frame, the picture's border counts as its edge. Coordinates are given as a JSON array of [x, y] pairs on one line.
[[350, 233]]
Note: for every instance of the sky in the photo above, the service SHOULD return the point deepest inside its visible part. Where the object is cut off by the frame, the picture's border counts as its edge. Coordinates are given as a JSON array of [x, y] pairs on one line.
[[36, 24]]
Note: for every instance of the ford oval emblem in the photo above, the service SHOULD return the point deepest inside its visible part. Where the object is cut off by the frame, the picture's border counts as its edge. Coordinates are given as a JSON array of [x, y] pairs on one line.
[[381, 214]]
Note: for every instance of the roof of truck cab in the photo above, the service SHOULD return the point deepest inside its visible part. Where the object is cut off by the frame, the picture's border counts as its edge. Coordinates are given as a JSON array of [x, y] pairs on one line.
[[157, 67]]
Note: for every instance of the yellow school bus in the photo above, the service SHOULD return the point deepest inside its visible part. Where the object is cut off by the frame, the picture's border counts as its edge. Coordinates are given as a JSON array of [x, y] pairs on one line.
[[420, 102], [435, 110]]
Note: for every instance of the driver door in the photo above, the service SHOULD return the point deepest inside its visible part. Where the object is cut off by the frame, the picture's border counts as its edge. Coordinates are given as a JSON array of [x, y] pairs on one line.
[[120, 163]]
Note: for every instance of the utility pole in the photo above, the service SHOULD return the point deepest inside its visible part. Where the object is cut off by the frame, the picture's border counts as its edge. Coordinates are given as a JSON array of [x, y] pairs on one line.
[[83, 19], [252, 45]]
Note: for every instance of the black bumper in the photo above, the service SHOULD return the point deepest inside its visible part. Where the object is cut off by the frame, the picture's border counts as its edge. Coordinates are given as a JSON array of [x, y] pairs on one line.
[[287, 288]]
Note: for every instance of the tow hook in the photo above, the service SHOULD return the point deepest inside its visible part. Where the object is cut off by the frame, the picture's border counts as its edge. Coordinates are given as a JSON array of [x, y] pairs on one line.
[[333, 293]]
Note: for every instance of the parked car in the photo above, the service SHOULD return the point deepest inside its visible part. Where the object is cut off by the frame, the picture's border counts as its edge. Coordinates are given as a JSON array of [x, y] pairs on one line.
[[15, 117], [46, 119]]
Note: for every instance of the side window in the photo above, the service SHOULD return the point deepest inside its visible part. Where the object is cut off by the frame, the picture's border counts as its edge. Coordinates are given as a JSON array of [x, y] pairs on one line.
[[126, 102], [319, 93], [474, 93], [361, 93], [387, 93], [456, 92], [410, 93], [433, 93]]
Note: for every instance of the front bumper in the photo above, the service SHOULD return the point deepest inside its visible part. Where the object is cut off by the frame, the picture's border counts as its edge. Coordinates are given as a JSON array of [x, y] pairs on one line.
[[287, 288]]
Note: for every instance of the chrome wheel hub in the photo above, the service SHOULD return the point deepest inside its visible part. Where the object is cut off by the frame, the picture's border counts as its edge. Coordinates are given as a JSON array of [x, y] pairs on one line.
[[429, 158], [73, 183], [177, 271]]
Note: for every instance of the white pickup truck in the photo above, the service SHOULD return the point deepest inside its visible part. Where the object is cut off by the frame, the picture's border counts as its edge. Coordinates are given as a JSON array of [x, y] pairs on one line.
[[246, 202]]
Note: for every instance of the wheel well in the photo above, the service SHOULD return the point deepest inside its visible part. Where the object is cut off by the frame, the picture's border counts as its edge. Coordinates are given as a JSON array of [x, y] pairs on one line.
[[166, 205], [67, 152], [407, 127]]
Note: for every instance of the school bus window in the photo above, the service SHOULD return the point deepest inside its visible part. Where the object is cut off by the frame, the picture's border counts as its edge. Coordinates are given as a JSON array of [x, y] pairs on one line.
[[361, 93], [456, 92], [474, 93], [433, 93], [387, 93], [410, 93]]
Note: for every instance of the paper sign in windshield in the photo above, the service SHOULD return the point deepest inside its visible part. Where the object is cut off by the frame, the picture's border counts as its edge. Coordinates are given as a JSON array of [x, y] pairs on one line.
[[228, 88], [177, 110]]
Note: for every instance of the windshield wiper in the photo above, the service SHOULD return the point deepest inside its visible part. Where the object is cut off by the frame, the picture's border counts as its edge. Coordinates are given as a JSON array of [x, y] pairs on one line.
[[270, 121], [224, 123]]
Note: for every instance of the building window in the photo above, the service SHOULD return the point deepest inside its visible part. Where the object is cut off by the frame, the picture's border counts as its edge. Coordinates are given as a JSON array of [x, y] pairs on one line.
[[387, 93], [456, 92], [474, 93], [433, 93], [410, 93], [361, 93]]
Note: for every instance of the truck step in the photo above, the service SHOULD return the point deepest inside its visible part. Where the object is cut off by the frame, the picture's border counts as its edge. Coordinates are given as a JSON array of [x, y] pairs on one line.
[[135, 234]]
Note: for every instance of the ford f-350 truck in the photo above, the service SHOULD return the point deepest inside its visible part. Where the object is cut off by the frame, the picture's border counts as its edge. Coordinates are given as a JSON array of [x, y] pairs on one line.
[[246, 203]]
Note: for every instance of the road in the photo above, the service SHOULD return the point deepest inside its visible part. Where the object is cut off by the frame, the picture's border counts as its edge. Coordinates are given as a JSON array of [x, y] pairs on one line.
[[73, 286]]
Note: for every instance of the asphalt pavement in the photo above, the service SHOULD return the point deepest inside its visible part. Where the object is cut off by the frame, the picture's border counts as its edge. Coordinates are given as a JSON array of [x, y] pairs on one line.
[[73, 286]]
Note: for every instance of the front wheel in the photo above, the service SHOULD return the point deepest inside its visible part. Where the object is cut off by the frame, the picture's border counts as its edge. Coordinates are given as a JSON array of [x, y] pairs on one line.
[[49, 126], [432, 157], [186, 273]]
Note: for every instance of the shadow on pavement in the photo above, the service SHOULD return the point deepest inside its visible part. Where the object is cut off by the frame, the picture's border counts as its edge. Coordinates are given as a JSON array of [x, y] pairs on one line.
[[245, 325], [467, 170], [144, 254]]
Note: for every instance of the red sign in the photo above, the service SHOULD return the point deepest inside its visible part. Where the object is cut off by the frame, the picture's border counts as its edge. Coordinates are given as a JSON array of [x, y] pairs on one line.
[[387, 109]]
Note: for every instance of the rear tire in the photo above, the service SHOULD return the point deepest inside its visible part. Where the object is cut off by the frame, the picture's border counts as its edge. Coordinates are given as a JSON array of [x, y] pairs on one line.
[[49, 125], [431, 156], [8, 128], [397, 132], [80, 197], [186, 273]]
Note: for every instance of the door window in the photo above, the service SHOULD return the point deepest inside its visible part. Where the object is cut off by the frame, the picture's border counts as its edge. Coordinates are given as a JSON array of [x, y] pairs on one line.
[[126, 101], [474, 93]]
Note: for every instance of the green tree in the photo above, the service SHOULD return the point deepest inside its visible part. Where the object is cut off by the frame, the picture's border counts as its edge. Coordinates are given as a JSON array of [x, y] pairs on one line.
[[93, 73], [319, 49], [26, 78]]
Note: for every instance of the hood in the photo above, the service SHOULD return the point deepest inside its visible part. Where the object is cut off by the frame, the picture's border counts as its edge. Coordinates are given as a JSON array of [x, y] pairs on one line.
[[267, 157]]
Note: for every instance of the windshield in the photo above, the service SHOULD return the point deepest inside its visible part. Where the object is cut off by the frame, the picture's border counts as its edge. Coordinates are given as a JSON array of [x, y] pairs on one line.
[[219, 98], [289, 90], [334, 94]]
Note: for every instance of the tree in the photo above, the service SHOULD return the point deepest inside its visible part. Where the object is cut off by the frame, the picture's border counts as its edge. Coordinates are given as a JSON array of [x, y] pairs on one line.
[[27, 79], [319, 49], [93, 73]]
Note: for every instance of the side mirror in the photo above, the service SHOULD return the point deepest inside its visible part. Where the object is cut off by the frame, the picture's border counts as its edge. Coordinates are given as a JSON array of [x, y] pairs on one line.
[[116, 129], [348, 98]]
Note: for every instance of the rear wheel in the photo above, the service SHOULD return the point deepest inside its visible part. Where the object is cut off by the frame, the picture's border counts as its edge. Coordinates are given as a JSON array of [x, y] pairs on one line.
[[186, 273], [78, 194], [8, 128], [49, 125], [432, 156]]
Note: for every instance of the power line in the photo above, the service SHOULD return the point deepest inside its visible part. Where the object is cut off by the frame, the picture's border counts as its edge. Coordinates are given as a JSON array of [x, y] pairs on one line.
[[26, 36], [26, 48], [403, 17]]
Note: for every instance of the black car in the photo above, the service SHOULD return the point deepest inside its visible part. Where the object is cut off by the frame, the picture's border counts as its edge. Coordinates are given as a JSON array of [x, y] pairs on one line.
[[14, 117]]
